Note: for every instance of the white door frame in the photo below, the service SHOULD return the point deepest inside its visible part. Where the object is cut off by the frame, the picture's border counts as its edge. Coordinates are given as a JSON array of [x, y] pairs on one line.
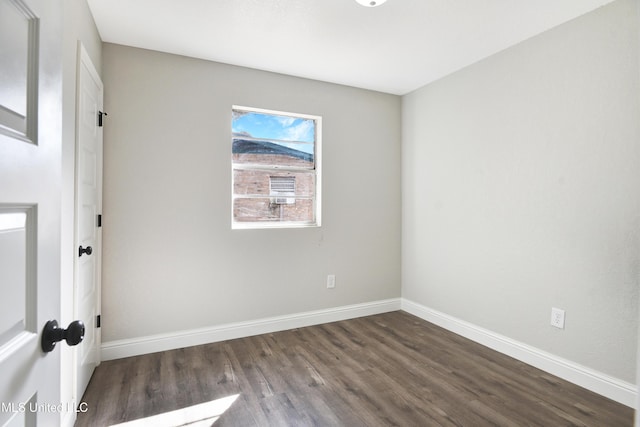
[[86, 111]]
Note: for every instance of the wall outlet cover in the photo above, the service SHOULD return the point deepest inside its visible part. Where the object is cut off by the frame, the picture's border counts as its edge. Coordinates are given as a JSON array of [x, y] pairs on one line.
[[557, 318], [331, 281]]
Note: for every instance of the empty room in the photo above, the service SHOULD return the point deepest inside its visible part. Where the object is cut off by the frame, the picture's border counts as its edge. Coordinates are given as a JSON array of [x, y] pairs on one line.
[[319, 212]]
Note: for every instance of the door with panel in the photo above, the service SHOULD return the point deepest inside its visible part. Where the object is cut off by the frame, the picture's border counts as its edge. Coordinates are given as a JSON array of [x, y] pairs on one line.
[[30, 159], [88, 236]]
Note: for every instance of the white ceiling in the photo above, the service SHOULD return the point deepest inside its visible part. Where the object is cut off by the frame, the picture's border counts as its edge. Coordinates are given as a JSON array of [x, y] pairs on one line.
[[394, 48]]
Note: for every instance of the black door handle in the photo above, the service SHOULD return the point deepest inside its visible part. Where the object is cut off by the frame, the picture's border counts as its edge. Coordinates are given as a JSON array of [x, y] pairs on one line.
[[88, 250], [51, 334]]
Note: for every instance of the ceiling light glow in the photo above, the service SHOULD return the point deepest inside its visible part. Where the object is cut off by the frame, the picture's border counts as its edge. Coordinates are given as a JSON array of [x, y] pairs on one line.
[[371, 3]]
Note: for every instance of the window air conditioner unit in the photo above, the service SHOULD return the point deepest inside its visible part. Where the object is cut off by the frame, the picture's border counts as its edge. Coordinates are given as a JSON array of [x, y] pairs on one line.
[[281, 188], [284, 201]]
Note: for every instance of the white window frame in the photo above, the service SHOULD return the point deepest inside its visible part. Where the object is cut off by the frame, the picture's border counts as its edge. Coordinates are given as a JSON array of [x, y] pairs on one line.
[[317, 196]]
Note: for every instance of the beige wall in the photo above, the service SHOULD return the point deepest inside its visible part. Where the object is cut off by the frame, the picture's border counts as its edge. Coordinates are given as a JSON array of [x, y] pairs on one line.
[[521, 191], [171, 261]]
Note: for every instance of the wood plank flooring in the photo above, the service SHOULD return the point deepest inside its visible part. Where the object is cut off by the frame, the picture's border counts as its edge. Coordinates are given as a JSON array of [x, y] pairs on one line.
[[392, 369]]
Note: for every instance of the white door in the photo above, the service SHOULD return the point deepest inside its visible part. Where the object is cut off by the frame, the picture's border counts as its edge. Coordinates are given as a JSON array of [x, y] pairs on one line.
[[30, 159], [88, 207]]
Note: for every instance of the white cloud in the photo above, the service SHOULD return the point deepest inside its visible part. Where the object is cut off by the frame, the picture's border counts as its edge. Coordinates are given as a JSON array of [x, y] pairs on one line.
[[285, 121], [301, 132]]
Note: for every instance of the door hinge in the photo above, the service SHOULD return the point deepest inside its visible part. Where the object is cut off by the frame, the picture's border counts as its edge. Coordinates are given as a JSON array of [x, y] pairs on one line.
[[98, 321], [100, 114], [99, 220]]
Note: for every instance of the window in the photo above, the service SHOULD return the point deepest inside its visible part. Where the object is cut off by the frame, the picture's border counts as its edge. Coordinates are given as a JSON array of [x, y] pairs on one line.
[[276, 169]]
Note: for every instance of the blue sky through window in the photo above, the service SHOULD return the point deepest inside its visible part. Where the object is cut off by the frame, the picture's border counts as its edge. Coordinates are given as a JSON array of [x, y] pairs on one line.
[[275, 127]]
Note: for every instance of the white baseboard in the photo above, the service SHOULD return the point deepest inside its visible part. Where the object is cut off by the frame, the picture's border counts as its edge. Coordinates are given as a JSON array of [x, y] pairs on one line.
[[605, 385], [151, 344]]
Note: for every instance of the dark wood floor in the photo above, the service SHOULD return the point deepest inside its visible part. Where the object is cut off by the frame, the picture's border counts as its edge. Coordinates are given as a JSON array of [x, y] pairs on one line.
[[392, 369]]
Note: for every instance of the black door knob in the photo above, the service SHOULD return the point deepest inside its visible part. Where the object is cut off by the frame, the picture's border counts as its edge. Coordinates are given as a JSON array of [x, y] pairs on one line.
[[88, 250], [51, 334]]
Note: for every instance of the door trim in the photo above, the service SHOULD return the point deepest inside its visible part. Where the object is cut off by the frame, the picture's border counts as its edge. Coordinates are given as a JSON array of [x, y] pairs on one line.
[[84, 60]]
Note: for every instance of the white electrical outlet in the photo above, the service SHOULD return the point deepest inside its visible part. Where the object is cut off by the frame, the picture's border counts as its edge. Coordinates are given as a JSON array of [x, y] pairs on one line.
[[331, 281], [557, 318]]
